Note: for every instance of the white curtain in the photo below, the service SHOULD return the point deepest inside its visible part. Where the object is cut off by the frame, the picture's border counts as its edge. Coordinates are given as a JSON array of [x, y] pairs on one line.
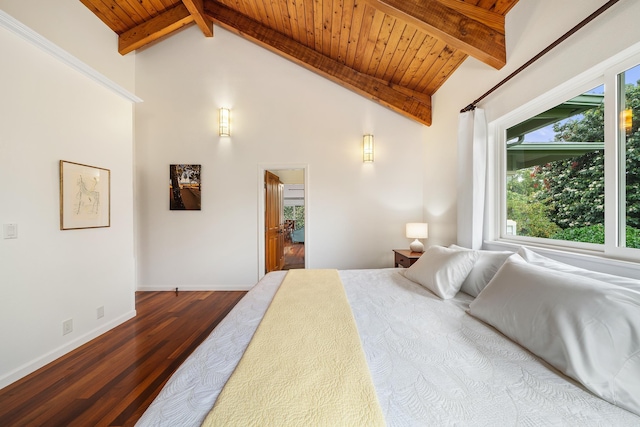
[[472, 172]]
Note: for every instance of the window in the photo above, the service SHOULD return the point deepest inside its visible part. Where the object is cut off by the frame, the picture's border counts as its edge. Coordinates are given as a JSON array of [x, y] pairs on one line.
[[555, 171], [629, 140], [295, 214], [572, 168]]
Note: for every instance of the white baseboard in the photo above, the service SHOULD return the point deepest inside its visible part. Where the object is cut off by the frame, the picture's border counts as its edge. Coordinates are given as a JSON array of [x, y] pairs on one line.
[[34, 365], [151, 288]]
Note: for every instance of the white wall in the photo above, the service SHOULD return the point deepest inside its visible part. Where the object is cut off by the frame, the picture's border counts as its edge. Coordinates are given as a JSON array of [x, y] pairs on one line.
[[48, 112], [281, 114], [531, 27], [72, 26]]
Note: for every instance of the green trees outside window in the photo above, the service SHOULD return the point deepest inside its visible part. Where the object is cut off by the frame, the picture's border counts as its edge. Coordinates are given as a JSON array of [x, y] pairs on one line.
[[563, 199], [295, 213]]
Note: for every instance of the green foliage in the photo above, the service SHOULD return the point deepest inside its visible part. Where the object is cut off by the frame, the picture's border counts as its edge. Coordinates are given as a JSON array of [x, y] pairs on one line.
[[296, 213], [526, 206], [591, 234], [525, 182], [633, 237], [299, 217], [588, 127], [575, 187], [532, 218], [595, 234], [632, 176], [574, 190]]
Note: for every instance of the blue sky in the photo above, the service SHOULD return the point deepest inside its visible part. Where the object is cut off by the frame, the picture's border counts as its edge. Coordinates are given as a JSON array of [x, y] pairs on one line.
[[547, 134], [633, 75]]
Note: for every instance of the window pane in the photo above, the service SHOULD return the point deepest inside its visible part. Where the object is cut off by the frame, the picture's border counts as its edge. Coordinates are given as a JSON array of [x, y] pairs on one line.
[[299, 217], [629, 135], [555, 172], [295, 214], [288, 212]]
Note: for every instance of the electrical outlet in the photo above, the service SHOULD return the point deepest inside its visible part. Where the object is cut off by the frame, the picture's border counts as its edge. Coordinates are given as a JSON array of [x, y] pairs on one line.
[[67, 327], [100, 312]]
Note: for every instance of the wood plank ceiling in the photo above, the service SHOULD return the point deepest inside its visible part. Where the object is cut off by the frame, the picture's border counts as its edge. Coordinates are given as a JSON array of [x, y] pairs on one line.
[[395, 52]]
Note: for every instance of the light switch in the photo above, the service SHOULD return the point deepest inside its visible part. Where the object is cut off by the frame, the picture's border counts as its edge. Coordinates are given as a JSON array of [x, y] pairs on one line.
[[10, 231]]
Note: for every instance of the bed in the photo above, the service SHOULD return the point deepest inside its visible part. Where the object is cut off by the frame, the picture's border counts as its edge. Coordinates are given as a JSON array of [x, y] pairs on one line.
[[431, 358]]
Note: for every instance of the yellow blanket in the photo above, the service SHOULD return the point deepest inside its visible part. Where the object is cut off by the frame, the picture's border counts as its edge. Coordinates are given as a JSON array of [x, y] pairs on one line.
[[305, 365]]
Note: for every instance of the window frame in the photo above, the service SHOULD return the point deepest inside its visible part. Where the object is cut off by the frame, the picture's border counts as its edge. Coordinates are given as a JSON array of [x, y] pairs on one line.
[[605, 73], [614, 174]]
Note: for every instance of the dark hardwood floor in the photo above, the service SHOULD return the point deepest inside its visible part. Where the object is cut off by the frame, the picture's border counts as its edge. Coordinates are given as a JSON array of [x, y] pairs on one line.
[[293, 256], [111, 380]]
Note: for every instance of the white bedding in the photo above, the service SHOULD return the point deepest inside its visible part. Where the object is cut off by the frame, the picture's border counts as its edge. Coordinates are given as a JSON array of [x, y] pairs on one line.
[[430, 361]]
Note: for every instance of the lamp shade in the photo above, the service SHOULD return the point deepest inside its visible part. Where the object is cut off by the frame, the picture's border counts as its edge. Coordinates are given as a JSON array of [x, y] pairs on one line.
[[367, 148], [417, 230], [225, 122]]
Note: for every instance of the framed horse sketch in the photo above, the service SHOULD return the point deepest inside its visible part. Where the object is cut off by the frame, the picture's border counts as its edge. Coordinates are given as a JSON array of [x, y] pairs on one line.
[[85, 196]]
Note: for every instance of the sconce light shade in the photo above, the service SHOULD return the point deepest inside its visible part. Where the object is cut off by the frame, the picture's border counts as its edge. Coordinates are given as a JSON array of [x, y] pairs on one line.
[[225, 122], [417, 230], [367, 148]]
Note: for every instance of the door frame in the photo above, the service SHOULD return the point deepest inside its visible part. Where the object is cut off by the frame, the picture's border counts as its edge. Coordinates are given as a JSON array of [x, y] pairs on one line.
[[262, 168]]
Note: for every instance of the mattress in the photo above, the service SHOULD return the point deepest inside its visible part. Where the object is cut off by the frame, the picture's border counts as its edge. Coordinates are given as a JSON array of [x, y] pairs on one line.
[[431, 363]]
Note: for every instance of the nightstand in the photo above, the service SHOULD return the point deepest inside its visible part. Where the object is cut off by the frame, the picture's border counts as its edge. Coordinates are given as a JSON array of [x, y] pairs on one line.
[[405, 258]]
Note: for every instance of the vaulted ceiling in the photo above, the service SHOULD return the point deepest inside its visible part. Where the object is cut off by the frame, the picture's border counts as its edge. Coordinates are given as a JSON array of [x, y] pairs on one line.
[[395, 52]]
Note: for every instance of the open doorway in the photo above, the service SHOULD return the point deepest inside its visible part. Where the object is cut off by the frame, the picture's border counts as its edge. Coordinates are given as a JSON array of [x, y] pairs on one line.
[[294, 214], [284, 218]]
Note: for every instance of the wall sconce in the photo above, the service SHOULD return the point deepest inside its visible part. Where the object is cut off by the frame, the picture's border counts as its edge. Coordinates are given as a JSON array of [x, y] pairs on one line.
[[417, 230], [367, 148], [225, 122]]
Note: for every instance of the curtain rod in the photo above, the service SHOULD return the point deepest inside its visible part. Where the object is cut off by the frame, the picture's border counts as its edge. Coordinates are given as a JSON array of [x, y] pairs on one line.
[[565, 36]]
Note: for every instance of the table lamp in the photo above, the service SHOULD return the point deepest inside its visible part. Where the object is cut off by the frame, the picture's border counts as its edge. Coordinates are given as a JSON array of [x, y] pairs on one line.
[[417, 230]]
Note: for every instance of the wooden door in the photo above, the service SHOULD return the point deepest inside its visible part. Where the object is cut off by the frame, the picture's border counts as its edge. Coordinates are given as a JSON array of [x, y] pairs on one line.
[[274, 222]]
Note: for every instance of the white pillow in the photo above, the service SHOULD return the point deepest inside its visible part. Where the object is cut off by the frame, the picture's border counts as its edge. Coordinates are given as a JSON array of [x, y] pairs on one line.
[[484, 269], [442, 270], [537, 259], [587, 329]]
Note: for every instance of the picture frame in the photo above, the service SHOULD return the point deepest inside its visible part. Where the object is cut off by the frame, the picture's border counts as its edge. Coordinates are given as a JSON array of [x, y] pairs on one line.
[[185, 187], [85, 196]]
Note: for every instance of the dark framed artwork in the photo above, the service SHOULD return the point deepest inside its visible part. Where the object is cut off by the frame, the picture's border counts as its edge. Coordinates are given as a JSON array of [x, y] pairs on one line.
[[184, 187], [85, 196]]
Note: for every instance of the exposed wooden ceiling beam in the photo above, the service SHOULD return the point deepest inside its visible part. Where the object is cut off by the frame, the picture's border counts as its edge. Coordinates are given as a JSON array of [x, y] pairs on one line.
[[153, 29], [404, 101], [196, 8], [487, 17], [475, 31]]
